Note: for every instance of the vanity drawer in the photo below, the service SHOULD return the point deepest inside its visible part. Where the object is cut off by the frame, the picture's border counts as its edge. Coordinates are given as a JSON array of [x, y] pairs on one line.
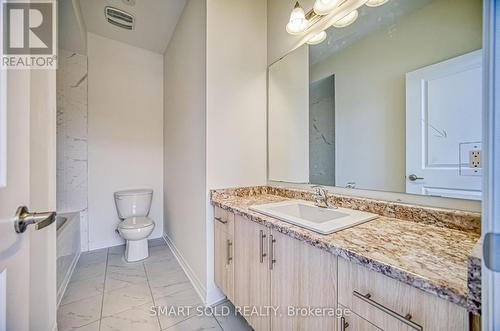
[[224, 220], [386, 302]]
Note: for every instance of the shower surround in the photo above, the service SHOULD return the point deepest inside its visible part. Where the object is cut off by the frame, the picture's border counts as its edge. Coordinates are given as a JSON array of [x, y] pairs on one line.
[[72, 138]]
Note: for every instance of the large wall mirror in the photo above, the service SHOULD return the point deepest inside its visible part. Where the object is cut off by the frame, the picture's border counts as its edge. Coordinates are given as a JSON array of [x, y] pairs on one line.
[[392, 102]]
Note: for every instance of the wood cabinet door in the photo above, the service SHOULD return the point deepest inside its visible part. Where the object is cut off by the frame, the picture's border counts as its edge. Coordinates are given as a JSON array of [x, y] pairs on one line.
[[223, 259], [251, 272], [302, 277]]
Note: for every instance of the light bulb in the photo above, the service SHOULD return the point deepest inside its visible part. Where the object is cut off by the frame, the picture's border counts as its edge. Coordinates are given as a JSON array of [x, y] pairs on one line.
[[324, 7], [297, 22], [317, 38], [346, 20], [375, 3]]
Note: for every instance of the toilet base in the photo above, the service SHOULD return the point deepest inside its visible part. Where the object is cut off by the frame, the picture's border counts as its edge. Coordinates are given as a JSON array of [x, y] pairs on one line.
[[136, 250]]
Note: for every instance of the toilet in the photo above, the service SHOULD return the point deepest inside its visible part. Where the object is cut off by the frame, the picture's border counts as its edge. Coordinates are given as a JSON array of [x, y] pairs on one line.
[[135, 227]]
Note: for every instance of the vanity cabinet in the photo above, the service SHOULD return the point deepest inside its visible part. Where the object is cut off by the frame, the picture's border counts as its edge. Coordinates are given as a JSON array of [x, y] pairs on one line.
[[274, 270], [392, 305], [251, 271], [224, 251], [302, 276], [259, 269]]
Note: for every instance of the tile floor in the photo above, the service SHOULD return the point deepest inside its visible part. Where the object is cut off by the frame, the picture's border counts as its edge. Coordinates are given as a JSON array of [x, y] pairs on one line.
[[106, 293]]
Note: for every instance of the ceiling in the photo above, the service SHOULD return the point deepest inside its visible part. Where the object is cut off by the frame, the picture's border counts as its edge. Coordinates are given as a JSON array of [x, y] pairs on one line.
[[155, 21], [369, 20]]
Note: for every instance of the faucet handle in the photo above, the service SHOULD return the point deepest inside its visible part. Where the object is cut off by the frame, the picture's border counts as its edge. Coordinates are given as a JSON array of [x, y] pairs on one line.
[[320, 190]]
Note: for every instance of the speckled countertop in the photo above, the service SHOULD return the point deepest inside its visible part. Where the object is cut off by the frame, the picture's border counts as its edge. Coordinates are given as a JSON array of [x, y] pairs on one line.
[[474, 264], [428, 256]]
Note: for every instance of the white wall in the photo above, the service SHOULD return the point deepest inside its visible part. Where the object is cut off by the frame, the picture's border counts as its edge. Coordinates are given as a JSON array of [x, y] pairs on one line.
[[215, 122], [236, 93], [70, 35], [236, 102], [288, 124], [125, 132], [184, 123]]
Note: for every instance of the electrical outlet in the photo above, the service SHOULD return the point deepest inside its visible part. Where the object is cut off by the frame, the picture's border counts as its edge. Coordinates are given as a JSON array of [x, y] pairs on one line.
[[475, 158]]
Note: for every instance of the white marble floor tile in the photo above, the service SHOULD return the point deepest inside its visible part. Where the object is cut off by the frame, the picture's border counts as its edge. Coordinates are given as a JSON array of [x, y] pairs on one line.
[[94, 326], [197, 323], [136, 319], [82, 289], [116, 249], [169, 283], [129, 292], [188, 298], [126, 298], [97, 256], [79, 313], [157, 242], [119, 260], [162, 269], [125, 275], [232, 322], [86, 271]]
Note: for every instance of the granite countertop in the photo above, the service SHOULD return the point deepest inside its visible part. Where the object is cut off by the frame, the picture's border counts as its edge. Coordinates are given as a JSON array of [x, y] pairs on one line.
[[432, 258], [474, 263]]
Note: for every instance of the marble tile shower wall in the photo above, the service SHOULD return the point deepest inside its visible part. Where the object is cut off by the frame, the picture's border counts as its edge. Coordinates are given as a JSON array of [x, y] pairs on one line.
[[72, 137]]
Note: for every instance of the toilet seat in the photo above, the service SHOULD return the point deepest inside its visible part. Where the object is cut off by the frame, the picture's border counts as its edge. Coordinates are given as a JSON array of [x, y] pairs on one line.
[[136, 223]]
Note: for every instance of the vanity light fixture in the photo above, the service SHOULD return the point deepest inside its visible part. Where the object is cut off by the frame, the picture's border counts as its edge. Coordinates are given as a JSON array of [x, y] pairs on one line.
[[317, 38], [298, 22], [324, 7], [376, 3], [346, 20]]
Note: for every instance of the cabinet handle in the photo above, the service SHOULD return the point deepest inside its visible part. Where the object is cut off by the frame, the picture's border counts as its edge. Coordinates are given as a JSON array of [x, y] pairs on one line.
[[272, 260], [228, 252], [405, 319], [343, 324], [220, 220], [262, 236]]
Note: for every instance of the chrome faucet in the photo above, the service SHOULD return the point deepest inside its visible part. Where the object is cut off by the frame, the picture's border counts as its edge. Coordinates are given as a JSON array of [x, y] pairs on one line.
[[321, 197]]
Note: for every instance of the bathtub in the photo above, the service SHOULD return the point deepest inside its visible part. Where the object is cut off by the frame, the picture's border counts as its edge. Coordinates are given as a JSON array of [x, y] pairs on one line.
[[68, 249]]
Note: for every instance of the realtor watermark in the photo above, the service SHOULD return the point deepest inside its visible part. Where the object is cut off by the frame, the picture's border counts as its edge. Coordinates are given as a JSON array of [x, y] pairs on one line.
[[28, 34], [248, 311]]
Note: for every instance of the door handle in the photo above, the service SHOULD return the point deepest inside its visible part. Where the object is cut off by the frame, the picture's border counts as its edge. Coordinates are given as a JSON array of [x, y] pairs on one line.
[[229, 257], [221, 220], [262, 236], [25, 218], [414, 177], [405, 319], [272, 260], [343, 324]]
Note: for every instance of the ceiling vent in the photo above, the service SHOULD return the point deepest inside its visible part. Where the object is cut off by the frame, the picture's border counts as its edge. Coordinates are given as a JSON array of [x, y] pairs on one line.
[[119, 18]]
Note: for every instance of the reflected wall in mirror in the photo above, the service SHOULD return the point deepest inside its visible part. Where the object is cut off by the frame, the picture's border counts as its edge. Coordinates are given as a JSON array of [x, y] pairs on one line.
[[392, 102]]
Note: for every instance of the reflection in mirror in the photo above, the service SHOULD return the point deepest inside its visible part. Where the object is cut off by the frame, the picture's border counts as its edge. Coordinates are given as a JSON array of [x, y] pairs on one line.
[[391, 102]]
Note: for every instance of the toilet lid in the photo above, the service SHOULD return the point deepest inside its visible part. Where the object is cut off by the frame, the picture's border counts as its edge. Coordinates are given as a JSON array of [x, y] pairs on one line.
[[136, 223]]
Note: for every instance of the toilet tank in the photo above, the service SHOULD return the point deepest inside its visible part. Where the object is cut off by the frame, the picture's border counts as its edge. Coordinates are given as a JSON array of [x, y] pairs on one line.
[[131, 203]]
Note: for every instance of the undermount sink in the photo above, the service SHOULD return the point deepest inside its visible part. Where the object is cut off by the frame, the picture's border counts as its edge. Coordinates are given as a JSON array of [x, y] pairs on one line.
[[309, 216]]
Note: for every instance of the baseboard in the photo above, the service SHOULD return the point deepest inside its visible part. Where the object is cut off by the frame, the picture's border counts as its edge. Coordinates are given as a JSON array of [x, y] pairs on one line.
[[195, 281], [60, 292], [214, 295]]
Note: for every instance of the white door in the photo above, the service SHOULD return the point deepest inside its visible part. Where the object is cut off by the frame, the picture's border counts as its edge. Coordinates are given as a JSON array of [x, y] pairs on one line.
[[27, 150], [443, 123]]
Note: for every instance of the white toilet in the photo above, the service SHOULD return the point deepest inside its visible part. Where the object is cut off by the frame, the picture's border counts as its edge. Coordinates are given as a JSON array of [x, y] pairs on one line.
[[133, 208]]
